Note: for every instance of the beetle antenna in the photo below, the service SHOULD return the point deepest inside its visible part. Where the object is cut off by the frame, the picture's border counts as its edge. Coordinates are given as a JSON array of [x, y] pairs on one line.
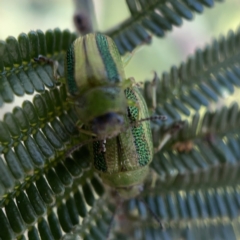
[[152, 118], [135, 123], [152, 213]]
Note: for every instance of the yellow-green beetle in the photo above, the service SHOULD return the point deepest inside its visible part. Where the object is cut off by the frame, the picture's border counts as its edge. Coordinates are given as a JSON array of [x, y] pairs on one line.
[[107, 103], [110, 106]]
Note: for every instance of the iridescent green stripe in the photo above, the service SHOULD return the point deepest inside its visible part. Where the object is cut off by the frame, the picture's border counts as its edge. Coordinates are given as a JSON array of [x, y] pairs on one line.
[[71, 83], [99, 158], [109, 63], [140, 135]]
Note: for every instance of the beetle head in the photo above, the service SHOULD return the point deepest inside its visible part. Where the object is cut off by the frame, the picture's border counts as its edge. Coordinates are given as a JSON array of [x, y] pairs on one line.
[[108, 125]]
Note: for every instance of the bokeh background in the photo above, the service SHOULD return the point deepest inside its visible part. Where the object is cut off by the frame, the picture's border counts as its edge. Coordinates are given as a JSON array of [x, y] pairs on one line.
[[18, 16]]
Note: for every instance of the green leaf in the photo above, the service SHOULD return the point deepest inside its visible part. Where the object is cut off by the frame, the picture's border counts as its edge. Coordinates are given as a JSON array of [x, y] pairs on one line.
[[152, 17], [45, 195]]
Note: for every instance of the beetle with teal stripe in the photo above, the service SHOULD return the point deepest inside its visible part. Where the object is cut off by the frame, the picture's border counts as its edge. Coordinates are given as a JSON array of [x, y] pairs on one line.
[[111, 109], [94, 75]]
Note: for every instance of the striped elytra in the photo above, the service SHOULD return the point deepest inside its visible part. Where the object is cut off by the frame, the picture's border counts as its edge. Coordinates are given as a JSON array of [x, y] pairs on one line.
[[92, 61], [108, 105]]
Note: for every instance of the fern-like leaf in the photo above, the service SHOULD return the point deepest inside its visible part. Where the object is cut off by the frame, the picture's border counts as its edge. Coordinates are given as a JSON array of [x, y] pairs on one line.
[[155, 17], [19, 74], [44, 195]]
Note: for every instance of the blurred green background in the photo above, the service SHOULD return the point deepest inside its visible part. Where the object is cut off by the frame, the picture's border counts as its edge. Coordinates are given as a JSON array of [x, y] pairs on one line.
[[25, 15]]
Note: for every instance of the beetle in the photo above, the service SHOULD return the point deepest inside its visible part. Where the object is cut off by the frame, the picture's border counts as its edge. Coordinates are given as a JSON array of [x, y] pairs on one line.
[[112, 110]]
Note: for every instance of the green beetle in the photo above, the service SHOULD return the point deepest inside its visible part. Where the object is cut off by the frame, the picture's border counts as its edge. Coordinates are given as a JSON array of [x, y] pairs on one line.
[[125, 163], [96, 80], [111, 107]]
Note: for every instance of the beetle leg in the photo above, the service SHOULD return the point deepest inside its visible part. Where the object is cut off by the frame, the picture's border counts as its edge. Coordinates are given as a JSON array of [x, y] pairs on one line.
[[152, 213], [89, 133], [168, 134], [102, 147], [154, 91], [54, 64], [126, 58], [119, 205], [154, 179], [128, 83], [80, 125]]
